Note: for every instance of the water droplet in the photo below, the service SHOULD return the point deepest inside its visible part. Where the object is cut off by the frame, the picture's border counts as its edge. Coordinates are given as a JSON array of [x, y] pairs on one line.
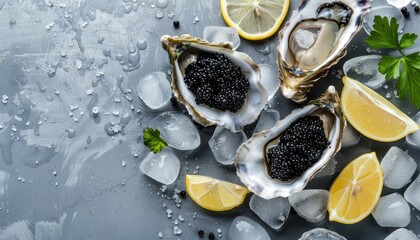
[[142, 44], [95, 110], [70, 132], [79, 64], [49, 3], [101, 40], [159, 14], [89, 140], [131, 48], [162, 3], [107, 52]]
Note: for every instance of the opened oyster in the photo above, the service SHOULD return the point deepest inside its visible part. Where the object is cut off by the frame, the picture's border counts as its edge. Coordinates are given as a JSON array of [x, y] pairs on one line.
[[236, 97], [314, 39], [254, 164]]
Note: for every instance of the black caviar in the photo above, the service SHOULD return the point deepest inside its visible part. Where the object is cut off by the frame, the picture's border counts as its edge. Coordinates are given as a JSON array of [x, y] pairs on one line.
[[217, 82], [416, 9], [173, 101], [299, 148], [405, 12], [211, 236], [201, 233], [176, 24], [183, 193]]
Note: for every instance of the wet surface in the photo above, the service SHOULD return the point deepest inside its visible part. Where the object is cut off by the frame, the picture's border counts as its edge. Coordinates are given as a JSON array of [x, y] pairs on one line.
[[71, 124]]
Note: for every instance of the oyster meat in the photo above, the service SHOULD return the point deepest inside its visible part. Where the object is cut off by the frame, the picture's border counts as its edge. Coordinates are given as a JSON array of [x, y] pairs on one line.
[[314, 39], [185, 50], [252, 161]]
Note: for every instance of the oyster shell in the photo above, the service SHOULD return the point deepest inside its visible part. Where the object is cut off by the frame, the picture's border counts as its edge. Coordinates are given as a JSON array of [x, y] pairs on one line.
[[251, 161], [183, 50], [314, 39]]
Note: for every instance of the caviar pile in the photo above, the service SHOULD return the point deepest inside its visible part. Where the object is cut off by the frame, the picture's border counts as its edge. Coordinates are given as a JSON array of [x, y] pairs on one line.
[[300, 147], [217, 82]]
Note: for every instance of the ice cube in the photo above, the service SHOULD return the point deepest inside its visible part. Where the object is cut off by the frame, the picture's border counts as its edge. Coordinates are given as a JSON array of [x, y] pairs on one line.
[[48, 230], [385, 11], [154, 90], [365, 70], [414, 138], [310, 204], [274, 212], [398, 168], [267, 120], [178, 130], [321, 234], [18, 230], [269, 79], [392, 211], [328, 170], [222, 34], [304, 38], [402, 234], [162, 167], [224, 144], [412, 194], [351, 137], [4, 176], [398, 3], [243, 228]]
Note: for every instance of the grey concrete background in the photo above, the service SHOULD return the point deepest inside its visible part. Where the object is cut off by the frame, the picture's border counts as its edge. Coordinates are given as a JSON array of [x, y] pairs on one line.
[[59, 186]]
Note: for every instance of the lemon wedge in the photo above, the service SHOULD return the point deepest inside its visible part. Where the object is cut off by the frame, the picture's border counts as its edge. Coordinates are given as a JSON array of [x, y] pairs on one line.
[[213, 194], [356, 191], [372, 115]]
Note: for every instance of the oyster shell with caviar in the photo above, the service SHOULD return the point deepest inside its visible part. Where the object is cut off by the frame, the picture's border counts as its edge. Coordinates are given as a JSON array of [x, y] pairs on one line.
[[252, 162], [185, 50], [314, 39]]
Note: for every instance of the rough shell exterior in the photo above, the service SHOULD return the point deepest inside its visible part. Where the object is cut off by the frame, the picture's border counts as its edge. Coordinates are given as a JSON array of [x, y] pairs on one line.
[[182, 51], [296, 82], [251, 161]]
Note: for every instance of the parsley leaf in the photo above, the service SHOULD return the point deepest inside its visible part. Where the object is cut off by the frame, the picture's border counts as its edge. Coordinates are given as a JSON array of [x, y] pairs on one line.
[[410, 70], [406, 69], [384, 34], [153, 141], [390, 67], [407, 40]]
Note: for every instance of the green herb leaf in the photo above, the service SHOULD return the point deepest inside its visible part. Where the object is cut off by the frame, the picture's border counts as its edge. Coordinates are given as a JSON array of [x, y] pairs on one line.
[[406, 69], [390, 67], [409, 82], [384, 34], [153, 141], [407, 40]]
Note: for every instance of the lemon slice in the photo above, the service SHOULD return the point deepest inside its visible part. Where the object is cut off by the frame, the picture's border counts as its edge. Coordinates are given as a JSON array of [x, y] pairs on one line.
[[356, 191], [254, 19], [214, 194], [372, 115]]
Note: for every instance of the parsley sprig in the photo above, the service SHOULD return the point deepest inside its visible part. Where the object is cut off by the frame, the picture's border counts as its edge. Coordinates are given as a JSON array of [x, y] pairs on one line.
[[405, 69], [152, 139]]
